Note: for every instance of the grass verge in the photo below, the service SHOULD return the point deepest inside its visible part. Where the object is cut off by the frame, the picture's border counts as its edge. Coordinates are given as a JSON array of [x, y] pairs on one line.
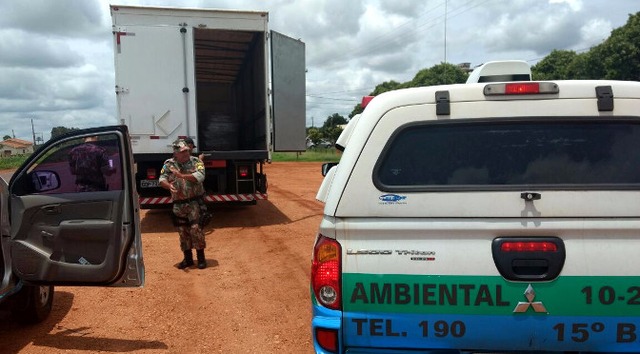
[[11, 162], [315, 155]]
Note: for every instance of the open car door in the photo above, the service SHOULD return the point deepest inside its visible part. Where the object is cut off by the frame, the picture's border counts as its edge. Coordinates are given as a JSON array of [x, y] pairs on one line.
[[64, 232]]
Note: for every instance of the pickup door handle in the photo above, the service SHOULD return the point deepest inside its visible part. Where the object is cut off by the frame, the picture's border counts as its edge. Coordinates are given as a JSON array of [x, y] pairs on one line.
[[51, 209]]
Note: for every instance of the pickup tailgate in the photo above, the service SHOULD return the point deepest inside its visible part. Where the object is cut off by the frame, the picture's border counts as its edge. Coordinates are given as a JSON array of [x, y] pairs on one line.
[[440, 283]]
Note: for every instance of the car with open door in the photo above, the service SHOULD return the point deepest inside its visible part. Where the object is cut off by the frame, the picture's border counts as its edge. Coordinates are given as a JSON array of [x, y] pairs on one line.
[[55, 232]]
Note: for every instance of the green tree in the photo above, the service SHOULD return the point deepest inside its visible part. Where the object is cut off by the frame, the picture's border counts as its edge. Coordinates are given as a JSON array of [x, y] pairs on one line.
[[314, 135], [554, 66], [57, 131], [385, 86], [333, 120], [6, 137], [380, 88], [331, 134], [356, 110], [441, 74], [331, 129], [617, 58], [586, 66], [620, 53]]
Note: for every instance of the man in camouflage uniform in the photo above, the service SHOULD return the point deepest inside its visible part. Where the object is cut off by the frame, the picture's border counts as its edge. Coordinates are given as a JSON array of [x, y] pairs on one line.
[[89, 163], [205, 214], [182, 175]]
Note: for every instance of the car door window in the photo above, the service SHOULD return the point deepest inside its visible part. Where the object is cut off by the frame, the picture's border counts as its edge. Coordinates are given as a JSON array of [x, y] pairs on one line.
[[88, 164]]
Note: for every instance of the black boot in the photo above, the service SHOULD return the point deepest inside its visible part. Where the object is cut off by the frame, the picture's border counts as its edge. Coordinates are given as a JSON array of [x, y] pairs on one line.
[[187, 261], [202, 262]]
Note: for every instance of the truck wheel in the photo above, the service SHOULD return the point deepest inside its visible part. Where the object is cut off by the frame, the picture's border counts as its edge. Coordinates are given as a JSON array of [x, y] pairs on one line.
[[261, 183], [32, 304]]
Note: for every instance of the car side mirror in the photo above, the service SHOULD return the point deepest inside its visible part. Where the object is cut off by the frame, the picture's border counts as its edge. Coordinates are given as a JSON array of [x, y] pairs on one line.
[[327, 166], [43, 181]]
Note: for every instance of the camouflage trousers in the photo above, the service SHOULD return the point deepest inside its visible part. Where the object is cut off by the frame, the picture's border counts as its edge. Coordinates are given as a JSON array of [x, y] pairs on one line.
[[188, 217]]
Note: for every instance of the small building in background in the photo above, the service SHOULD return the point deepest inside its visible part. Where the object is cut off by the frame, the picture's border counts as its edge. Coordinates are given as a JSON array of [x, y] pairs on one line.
[[14, 147]]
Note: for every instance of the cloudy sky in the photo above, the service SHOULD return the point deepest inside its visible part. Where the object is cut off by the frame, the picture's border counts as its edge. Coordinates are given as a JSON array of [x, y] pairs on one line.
[[56, 56]]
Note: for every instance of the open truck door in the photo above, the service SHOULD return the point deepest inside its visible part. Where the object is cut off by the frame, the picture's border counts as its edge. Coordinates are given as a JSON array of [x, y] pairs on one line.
[[60, 233], [289, 89]]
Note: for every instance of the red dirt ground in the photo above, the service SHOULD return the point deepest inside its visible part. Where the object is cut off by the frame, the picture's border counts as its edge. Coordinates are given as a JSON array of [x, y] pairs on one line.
[[252, 298]]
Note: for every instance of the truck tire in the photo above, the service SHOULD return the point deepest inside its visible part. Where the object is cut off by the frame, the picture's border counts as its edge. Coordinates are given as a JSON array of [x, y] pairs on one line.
[[32, 304]]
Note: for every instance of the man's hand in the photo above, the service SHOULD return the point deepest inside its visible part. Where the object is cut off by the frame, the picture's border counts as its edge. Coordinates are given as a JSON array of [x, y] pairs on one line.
[[186, 176], [168, 186]]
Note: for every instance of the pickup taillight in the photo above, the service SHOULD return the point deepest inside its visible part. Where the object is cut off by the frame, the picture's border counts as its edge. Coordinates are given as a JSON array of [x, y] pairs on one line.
[[326, 272]]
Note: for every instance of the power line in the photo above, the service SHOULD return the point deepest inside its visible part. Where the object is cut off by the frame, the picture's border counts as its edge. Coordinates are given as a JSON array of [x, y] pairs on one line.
[[329, 98], [437, 20]]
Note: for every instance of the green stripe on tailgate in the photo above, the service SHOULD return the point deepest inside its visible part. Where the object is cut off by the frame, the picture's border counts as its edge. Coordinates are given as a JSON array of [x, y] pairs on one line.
[[490, 295]]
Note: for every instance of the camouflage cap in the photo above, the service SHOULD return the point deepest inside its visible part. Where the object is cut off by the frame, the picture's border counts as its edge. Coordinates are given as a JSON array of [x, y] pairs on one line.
[[180, 145], [189, 141]]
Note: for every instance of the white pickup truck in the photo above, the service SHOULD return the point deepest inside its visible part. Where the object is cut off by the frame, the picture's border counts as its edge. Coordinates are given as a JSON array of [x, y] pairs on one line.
[[484, 217]]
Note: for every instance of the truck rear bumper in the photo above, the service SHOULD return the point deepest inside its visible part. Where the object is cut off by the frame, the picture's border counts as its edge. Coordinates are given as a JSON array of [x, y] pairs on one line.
[[155, 202]]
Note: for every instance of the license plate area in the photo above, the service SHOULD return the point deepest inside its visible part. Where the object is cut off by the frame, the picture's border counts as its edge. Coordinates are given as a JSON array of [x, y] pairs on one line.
[[149, 183]]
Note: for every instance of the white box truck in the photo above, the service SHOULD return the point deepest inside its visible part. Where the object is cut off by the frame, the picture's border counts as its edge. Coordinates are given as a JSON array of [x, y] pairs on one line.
[[220, 77]]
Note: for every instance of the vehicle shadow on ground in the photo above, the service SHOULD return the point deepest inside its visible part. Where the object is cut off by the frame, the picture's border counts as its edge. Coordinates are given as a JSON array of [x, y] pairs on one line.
[[80, 339], [15, 337], [264, 213]]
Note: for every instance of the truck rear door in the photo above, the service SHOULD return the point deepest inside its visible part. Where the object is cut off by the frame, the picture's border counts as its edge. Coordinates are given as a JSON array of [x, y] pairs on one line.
[[146, 54], [289, 89], [63, 234]]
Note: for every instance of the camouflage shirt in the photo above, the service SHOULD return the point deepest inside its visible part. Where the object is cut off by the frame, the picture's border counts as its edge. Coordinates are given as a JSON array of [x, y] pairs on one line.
[[186, 189], [87, 162]]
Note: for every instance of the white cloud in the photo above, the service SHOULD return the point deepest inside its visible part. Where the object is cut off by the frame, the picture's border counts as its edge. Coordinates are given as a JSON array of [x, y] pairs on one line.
[[593, 32], [575, 5], [66, 18], [56, 57], [23, 49]]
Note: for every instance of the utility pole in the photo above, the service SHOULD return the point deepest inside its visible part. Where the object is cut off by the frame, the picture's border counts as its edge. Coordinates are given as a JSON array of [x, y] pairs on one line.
[[33, 132], [445, 41]]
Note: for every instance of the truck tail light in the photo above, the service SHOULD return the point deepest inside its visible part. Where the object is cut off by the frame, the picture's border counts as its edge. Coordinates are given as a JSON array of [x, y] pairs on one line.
[[151, 173], [243, 171], [534, 246], [327, 339], [521, 88], [215, 163], [326, 272]]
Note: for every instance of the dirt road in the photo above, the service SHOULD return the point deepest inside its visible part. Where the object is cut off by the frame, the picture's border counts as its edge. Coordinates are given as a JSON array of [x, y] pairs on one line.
[[252, 298]]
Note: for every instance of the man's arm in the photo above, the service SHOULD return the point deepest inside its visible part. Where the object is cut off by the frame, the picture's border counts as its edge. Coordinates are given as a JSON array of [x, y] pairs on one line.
[[196, 176], [163, 180]]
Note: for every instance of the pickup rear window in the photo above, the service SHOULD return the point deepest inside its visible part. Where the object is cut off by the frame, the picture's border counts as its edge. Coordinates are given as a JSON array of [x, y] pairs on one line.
[[558, 153]]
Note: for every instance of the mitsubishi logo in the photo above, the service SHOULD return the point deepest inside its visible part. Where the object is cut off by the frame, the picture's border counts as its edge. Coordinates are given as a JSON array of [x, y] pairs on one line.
[[530, 294]]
